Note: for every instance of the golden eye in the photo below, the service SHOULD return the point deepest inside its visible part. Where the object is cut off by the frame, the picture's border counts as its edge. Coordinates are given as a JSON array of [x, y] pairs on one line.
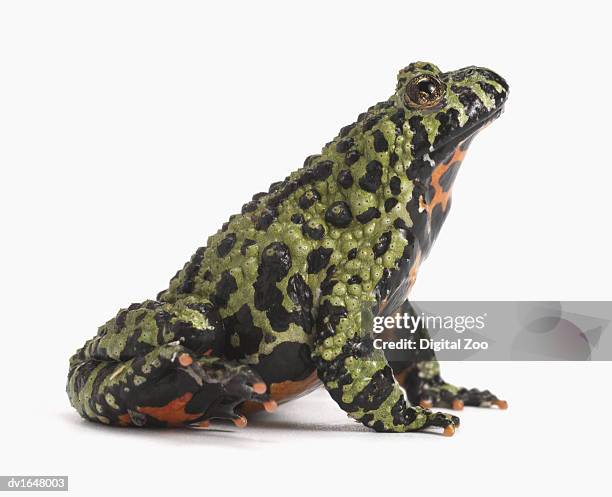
[[424, 91]]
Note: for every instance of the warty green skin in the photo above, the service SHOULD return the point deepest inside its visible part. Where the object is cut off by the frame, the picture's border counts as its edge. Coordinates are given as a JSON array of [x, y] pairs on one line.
[[281, 289]]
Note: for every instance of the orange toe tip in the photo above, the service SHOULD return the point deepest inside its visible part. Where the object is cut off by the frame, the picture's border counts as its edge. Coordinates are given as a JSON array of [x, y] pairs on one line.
[[240, 421], [458, 405], [502, 404], [270, 405], [260, 388], [204, 424], [185, 360], [449, 431], [426, 404]]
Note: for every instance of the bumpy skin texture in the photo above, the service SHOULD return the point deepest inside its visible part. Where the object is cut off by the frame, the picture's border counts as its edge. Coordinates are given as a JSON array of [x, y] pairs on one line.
[[277, 294]]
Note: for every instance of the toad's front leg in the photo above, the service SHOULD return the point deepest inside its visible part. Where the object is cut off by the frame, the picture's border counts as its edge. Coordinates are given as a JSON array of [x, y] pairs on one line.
[[357, 375], [419, 373]]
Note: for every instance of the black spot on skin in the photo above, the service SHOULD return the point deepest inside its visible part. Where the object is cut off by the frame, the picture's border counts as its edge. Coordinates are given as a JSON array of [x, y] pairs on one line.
[[134, 346], [419, 170], [120, 319], [226, 245], [282, 192], [310, 159], [208, 276], [345, 178], [402, 227], [265, 220], [367, 216], [371, 180], [383, 287], [299, 291], [288, 361], [250, 335], [313, 231], [250, 206], [393, 158], [224, 288], [390, 203], [279, 318], [300, 294], [382, 245], [370, 123], [420, 141], [395, 185], [297, 218], [328, 318], [323, 170], [274, 266], [343, 146], [346, 130], [398, 119], [380, 142], [193, 337], [490, 90], [275, 186], [351, 157], [191, 271], [376, 391], [449, 124], [354, 280], [318, 259], [246, 244], [351, 254], [339, 214], [308, 199], [327, 285], [139, 318]]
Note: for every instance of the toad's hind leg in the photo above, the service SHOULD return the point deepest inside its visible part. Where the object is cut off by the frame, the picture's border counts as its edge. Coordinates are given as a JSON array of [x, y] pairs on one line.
[[157, 364], [418, 372]]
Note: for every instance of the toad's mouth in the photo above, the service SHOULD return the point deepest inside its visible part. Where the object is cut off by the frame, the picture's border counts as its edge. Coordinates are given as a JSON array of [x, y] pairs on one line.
[[465, 135]]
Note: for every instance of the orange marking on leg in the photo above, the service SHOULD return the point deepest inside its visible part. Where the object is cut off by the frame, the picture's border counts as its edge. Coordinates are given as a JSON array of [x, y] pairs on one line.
[[414, 269], [502, 404], [173, 412], [185, 360], [240, 421], [284, 391], [124, 420], [260, 388]]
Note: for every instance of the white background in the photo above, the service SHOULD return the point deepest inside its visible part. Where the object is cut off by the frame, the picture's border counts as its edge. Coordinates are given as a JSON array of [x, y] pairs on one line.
[[129, 131]]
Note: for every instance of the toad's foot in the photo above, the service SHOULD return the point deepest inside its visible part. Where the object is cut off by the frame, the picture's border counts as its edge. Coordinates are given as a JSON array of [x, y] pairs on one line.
[[446, 421], [169, 386], [441, 394]]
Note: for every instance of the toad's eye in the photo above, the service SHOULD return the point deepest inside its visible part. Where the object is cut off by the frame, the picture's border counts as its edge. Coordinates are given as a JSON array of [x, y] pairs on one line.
[[424, 91]]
